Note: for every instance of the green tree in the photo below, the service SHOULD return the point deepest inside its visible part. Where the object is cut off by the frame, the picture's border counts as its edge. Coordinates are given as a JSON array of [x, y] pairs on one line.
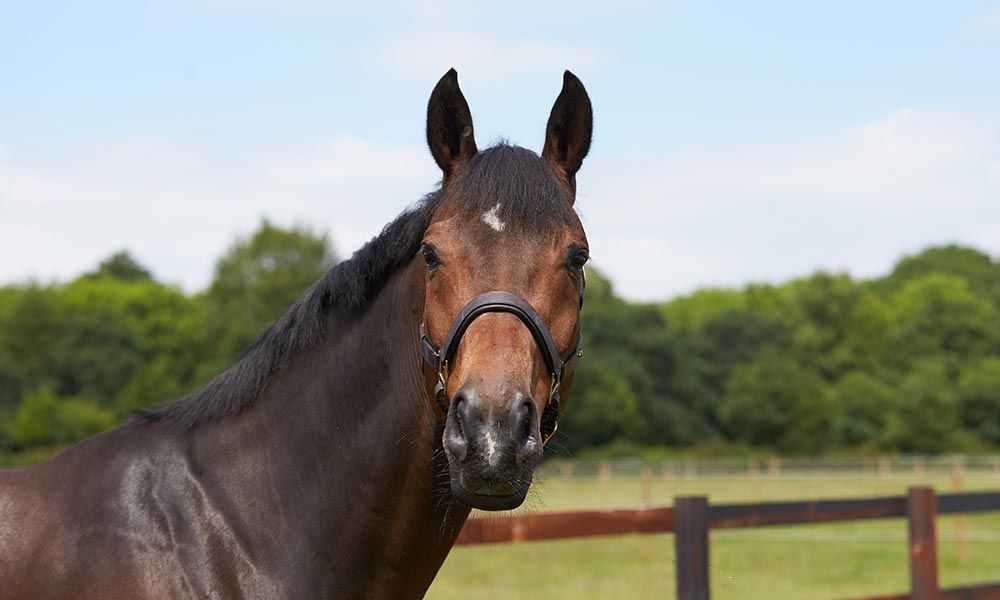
[[79, 419], [45, 419], [980, 272], [979, 398], [838, 325], [154, 383], [162, 324], [256, 280], [604, 409], [939, 315], [28, 331], [11, 387], [94, 355], [162, 318], [723, 342], [37, 419], [926, 415], [121, 266], [688, 313], [862, 404], [772, 402], [635, 343], [770, 301]]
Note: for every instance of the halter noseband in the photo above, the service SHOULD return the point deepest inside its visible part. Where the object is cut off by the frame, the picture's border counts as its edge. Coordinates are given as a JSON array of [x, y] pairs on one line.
[[504, 302]]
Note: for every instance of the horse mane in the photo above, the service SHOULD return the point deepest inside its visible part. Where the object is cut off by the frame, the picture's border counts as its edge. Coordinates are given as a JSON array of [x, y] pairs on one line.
[[531, 199]]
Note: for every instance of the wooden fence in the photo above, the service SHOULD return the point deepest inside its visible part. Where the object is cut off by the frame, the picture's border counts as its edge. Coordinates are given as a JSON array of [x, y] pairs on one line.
[[691, 518]]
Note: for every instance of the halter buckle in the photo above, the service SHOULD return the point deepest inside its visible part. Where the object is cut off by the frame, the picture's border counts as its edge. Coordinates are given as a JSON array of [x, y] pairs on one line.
[[555, 428], [443, 374], [552, 407], [441, 388]]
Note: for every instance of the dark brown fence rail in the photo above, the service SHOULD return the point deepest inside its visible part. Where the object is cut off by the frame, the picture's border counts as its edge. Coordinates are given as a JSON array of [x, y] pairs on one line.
[[691, 519]]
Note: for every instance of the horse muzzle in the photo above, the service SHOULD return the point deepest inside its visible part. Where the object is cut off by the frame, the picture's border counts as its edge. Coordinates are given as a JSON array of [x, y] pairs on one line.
[[492, 452], [493, 444]]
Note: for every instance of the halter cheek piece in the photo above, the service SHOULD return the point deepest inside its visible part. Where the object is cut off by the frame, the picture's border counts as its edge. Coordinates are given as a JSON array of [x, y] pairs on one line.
[[504, 302]]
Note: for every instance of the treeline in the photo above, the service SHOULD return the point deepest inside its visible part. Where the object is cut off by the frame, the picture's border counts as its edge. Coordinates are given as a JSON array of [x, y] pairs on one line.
[[79, 357], [908, 362]]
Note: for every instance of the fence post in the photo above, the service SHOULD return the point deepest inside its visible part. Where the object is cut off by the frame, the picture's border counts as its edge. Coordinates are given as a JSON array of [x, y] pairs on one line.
[[646, 487], [957, 475], [921, 512], [691, 547]]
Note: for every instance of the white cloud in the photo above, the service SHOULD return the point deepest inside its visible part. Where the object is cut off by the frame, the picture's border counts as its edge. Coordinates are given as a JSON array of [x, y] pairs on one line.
[[481, 57], [349, 160], [987, 21], [987, 236], [854, 199], [905, 159], [177, 207]]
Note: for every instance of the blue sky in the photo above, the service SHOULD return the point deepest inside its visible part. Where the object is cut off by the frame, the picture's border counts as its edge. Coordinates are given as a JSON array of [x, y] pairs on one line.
[[734, 142]]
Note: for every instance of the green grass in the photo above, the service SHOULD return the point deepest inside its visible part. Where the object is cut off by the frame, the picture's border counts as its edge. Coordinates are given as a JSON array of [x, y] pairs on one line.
[[805, 561]]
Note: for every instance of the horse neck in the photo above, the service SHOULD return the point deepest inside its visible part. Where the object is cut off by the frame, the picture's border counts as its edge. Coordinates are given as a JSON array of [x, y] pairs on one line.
[[348, 434]]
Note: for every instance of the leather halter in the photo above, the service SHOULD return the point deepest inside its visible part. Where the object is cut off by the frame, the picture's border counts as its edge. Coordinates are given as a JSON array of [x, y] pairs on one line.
[[504, 302]]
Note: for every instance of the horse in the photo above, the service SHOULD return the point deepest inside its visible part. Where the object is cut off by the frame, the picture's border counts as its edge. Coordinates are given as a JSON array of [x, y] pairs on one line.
[[341, 455]]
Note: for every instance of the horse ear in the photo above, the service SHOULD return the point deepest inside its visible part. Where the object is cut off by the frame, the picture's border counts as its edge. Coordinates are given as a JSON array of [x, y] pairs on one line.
[[571, 124], [449, 126]]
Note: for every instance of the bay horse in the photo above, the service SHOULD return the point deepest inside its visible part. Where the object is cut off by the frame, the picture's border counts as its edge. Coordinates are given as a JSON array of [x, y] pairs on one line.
[[339, 457]]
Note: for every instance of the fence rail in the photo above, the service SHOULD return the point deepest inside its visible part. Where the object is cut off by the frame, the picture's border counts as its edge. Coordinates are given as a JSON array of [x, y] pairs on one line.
[[562, 525], [691, 518]]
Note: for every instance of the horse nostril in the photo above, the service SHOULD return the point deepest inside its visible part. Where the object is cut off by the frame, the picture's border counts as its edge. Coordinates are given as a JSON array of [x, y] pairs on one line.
[[455, 439], [466, 413], [524, 425], [457, 403], [463, 419]]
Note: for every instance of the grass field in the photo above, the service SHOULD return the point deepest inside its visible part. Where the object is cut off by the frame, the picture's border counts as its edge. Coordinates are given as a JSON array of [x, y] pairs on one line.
[[802, 561]]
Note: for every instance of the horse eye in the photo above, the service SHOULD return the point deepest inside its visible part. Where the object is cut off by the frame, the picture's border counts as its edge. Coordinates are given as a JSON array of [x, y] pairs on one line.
[[579, 258], [431, 257]]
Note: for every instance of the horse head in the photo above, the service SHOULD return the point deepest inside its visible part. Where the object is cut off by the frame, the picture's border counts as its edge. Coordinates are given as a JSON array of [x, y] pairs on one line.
[[505, 254]]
